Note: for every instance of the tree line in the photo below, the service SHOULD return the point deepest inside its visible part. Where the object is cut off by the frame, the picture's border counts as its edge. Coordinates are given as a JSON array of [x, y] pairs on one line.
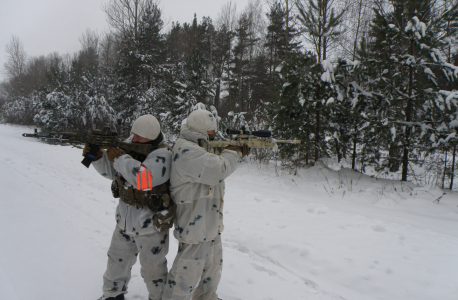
[[370, 81]]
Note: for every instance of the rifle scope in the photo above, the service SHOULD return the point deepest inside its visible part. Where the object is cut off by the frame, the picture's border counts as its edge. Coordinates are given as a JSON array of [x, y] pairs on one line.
[[258, 133]]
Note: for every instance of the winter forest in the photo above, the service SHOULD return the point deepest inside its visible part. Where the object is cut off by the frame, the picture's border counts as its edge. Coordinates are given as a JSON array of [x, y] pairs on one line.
[[372, 82]]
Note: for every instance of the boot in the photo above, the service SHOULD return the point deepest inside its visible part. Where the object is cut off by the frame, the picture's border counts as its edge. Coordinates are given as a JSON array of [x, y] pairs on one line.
[[119, 297]]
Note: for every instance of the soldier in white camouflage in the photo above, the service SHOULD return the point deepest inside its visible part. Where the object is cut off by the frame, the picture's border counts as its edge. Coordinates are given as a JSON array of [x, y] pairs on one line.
[[197, 189], [144, 213]]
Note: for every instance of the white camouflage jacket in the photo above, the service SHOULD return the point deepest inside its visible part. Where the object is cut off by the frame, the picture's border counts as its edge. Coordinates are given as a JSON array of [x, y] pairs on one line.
[[132, 219], [197, 187]]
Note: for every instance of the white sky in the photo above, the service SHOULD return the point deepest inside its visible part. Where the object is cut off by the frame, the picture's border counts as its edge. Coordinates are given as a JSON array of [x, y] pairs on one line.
[[46, 26]]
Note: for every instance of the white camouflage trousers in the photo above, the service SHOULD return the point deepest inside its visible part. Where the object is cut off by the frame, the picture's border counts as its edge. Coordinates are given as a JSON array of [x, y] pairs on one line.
[[196, 272], [122, 255]]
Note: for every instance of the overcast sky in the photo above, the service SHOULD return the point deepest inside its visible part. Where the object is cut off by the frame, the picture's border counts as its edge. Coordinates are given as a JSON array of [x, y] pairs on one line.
[[46, 26]]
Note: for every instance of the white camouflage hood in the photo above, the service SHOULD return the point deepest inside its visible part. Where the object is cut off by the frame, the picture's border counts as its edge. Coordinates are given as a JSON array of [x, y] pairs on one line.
[[201, 121]]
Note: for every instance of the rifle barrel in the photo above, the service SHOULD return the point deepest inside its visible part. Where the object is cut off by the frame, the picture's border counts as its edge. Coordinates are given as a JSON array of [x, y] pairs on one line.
[[288, 141]]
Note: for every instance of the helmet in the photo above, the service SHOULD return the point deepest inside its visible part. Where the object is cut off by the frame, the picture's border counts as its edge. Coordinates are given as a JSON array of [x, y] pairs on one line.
[[147, 126], [201, 121]]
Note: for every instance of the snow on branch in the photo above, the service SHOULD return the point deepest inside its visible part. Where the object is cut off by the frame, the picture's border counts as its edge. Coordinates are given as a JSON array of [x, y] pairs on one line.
[[451, 97], [183, 85], [429, 72], [451, 67], [450, 136], [354, 64], [392, 26], [393, 133], [437, 56], [430, 75], [417, 27], [328, 75]]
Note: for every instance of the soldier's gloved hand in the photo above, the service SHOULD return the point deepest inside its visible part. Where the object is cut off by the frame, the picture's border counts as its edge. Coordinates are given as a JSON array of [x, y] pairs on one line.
[[87, 149], [245, 150], [113, 153], [163, 220]]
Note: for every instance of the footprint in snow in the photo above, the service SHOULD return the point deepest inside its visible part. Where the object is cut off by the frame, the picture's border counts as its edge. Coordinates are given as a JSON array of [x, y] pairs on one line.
[[378, 228], [318, 211], [303, 253]]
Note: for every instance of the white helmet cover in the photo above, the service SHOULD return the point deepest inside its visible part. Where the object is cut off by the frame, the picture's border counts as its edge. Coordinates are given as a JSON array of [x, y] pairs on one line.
[[201, 121], [147, 126]]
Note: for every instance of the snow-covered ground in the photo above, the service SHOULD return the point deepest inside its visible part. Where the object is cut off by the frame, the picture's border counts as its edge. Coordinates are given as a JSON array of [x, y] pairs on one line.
[[323, 234]]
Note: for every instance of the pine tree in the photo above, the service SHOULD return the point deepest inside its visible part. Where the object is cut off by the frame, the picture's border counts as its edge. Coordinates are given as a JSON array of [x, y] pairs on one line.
[[319, 22], [406, 54], [356, 115], [240, 70], [187, 87], [79, 102], [291, 114], [139, 72], [280, 38]]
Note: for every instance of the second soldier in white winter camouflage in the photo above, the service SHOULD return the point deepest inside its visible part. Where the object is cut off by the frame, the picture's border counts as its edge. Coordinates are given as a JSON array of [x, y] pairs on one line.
[[144, 213], [197, 188]]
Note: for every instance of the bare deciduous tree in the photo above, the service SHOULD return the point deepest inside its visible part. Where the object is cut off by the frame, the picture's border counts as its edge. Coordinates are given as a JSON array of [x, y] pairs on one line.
[[16, 63], [89, 39], [227, 17], [109, 51], [256, 26], [124, 16], [355, 25]]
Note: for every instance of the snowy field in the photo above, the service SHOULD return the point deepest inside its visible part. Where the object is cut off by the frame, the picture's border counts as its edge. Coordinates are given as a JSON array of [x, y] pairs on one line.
[[321, 235]]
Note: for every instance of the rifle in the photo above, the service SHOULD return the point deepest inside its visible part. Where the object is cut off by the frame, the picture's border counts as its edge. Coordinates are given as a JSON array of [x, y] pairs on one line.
[[35, 135], [97, 139], [51, 137], [254, 139]]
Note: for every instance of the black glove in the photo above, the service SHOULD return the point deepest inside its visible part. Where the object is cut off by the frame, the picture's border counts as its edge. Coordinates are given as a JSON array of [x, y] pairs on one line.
[[163, 220], [87, 149]]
